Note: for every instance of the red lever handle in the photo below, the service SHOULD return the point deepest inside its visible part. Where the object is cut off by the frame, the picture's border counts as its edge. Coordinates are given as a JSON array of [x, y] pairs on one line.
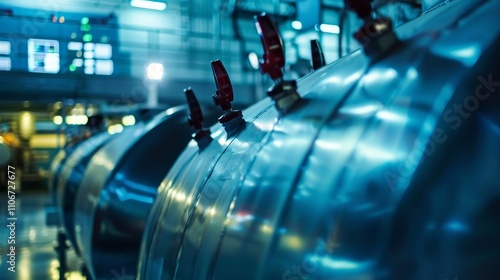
[[195, 118], [224, 94], [274, 56]]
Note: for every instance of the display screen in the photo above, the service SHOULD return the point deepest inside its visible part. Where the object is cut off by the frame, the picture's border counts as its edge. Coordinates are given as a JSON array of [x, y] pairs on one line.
[[5, 64], [43, 56], [76, 44], [4, 48], [96, 58]]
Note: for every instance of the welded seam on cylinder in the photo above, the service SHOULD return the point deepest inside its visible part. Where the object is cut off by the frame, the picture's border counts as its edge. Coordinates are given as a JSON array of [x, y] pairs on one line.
[[192, 207], [262, 144], [147, 239]]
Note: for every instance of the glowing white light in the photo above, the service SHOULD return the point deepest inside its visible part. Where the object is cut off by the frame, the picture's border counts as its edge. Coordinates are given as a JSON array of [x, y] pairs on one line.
[[211, 211], [152, 5], [77, 120], [5, 47], [103, 51], [128, 120], [362, 110], [113, 129], [329, 28], [89, 70], [5, 64], [170, 111], [328, 145], [338, 264], [380, 75], [180, 197], [43, 56], [104, 67], [392, 117], [58, 120], [78, 62], [75, 46], [51, 63], [89, 62], [89, 46], [467, 52], [88, 55], [254, 60], [297, 25], [155, 71]]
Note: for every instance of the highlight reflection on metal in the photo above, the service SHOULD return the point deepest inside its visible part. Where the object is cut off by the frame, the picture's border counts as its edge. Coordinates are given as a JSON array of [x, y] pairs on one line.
[[56, 168], [388, 170], [70, 176], [117, 188]]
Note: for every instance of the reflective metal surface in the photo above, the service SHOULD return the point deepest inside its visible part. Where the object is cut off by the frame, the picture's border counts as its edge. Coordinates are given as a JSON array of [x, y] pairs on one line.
[[119, 186], [55, 172], [70, 177], [56, 168], [388, 169]]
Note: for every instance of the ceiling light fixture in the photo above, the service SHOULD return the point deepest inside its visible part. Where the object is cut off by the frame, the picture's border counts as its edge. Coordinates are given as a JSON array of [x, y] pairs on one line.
[[155, 71], [328, 28], [146, 4]]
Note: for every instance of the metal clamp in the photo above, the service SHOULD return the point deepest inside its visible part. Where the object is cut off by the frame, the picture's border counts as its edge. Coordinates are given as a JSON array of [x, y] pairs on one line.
[[284, 93], [195, 119], [376, 35], [231, 120]]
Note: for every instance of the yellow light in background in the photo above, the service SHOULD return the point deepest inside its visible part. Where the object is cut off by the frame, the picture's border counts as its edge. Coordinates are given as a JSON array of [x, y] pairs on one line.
[[54, 269], [58, 120], [78, 109], [77, 120], [266, 229], [128, 120], [46, 141], [116, 128], [292, 241], [91, 110], [57, 105], [24, 264], [32, 234], [61, 19], [26, 124], [73, 275]]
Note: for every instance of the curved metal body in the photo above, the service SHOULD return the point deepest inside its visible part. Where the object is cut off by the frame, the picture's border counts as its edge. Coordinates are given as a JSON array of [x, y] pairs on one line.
[[375, 175], [70, 177], [119, 186], [56, 168]]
